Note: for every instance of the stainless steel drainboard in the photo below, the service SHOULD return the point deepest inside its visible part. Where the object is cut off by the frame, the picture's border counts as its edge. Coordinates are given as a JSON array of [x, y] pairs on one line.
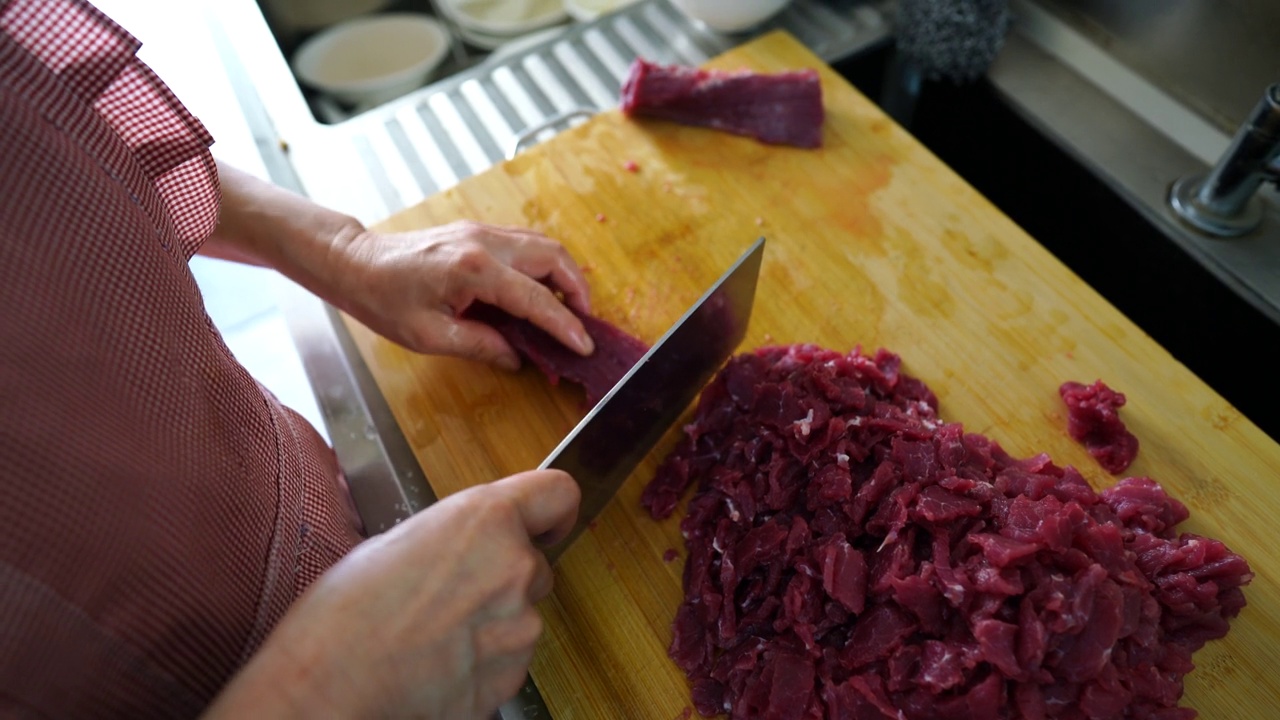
[[468, 123]]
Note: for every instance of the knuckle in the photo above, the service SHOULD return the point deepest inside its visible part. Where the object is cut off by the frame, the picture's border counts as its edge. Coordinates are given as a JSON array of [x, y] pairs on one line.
[[523, 569], [471, 260], [570, 487], [564, 484], [512, 636], [536, 297], [471, 503], [549, 248], [501, 511], [420, 337]]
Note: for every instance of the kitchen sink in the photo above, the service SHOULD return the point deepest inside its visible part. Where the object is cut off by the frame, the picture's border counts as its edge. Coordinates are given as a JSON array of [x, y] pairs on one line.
[[1215, 332]]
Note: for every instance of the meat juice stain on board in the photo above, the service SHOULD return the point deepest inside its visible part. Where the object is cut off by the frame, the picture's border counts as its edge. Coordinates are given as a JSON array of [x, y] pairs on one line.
[[536, 216], [858, 289], [846, 199], [1059, 340], [983, 254], [538, 175], [1221, 415], [919, 285], [1208, 491]]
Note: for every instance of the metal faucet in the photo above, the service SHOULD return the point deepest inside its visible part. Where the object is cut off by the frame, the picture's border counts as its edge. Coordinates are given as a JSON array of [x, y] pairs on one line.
[[1224, 202]]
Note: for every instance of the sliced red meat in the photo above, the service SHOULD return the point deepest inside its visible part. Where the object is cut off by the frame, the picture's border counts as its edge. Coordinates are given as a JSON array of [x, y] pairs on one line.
[[616, 351], [941, 666], [851, 555], [1094, 420], [1002, 551], [862, 697], [780, 109], [792, 687], [844, 574], [937, 505], [996, 641], [1142, 504]]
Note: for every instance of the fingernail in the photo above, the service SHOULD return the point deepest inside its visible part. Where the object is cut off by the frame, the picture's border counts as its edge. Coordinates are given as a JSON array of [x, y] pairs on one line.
[[585, 344], [509, 362]]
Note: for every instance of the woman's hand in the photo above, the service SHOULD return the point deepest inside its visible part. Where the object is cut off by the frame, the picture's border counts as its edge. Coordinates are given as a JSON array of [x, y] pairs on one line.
[[410, 287], [413, 287], [432, 619]]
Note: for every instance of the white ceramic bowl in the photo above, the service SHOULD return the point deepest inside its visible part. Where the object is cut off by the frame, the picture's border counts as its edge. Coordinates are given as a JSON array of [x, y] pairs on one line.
[[504, 18], [373, 59], [588, 10], [730, 16]]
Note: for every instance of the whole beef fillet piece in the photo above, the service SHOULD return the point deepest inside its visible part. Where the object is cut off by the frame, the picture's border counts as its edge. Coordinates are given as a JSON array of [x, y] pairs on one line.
[[779, 109]]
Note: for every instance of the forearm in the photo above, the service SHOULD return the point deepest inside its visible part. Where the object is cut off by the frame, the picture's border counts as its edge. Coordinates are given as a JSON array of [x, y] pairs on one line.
[[264, 224], [278, 683]]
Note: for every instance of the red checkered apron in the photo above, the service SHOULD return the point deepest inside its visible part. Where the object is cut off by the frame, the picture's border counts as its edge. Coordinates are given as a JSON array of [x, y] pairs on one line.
[[159, 510]]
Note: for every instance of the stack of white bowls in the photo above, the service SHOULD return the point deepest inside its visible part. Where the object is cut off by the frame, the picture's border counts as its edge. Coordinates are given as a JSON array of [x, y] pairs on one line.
[[490, 24]]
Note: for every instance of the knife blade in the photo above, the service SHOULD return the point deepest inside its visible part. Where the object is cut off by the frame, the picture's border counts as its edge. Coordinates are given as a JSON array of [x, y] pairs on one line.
[[607, 445]]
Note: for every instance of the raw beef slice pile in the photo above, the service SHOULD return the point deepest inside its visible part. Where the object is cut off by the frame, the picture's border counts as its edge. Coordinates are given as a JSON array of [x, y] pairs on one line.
[[851, 556], [779, 108]]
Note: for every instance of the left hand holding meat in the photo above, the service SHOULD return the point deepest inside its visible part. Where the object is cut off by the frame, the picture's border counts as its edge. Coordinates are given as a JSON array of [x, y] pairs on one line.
[[413, 287], [410, 287]]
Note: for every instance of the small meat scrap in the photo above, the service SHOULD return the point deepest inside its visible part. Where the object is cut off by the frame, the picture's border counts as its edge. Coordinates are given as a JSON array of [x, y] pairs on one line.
[[631, 166], [670, 554], [850, 554], [779, 109], [615, 352], [1094, 421]]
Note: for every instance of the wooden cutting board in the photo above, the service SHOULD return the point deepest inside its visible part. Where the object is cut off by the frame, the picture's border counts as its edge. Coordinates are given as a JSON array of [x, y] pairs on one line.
[[872, 241]]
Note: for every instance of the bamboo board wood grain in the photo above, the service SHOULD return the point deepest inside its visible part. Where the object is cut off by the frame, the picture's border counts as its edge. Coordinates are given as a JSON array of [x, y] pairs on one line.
[[872, 241]]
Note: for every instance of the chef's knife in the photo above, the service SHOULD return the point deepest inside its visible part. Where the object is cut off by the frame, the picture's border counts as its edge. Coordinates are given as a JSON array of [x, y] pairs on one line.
[[623, 427]]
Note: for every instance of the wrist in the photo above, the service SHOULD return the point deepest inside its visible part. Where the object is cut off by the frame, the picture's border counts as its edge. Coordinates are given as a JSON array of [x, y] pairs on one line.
[[307, 242], [346, 265]]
